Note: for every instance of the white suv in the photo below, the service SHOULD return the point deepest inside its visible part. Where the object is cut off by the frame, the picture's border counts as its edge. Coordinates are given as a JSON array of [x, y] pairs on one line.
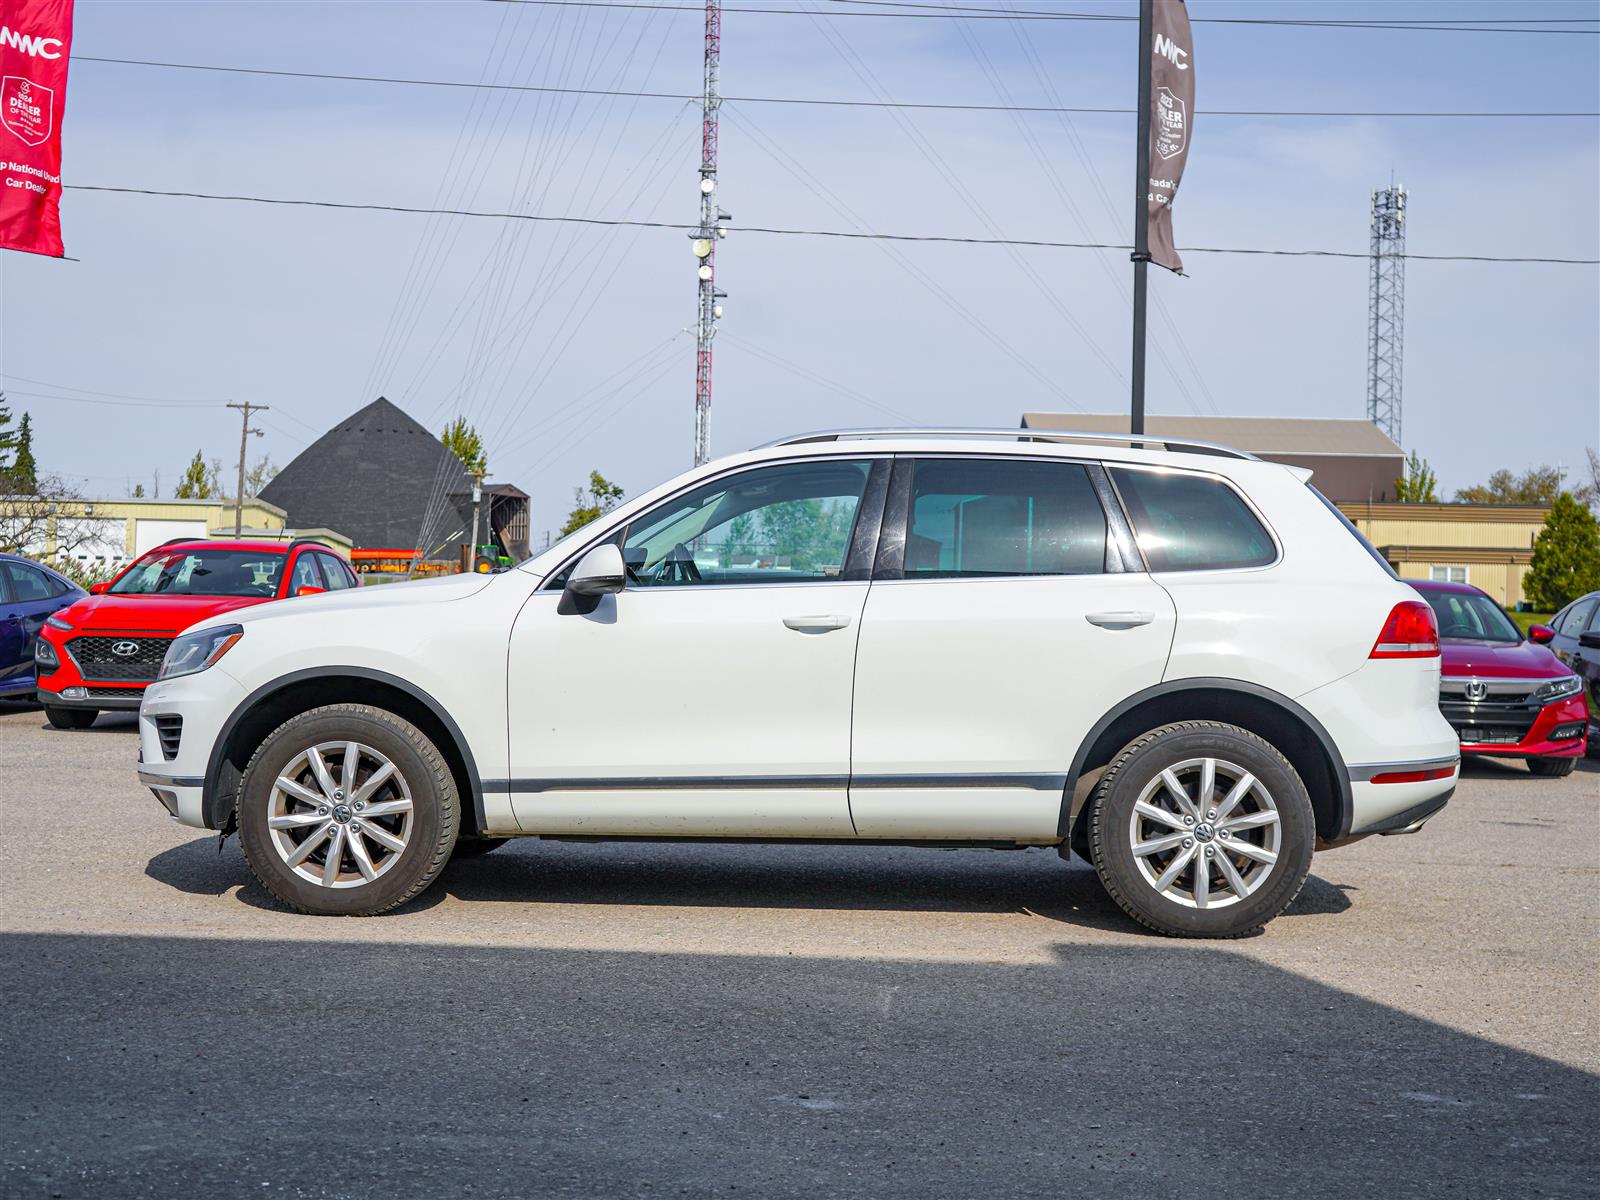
[[1173, 658]]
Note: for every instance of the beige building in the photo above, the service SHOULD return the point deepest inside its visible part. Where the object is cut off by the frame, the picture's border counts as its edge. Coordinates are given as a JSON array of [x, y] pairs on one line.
[[1486, 545], [109, 533]]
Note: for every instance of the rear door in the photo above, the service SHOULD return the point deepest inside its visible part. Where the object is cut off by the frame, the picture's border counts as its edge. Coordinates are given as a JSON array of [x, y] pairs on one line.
[[1008, 613], [13, 638]]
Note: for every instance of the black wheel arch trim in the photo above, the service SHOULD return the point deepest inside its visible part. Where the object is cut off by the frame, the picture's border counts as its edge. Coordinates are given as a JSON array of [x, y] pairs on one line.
[[213, 774], [1205, 684]]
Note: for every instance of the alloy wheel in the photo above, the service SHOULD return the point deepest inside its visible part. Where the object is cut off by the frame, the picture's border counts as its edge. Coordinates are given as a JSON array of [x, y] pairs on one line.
[[344, 825], [1205, 833]]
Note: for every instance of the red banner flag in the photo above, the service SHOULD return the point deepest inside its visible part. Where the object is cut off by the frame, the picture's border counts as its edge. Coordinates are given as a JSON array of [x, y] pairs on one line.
[[35, 36]]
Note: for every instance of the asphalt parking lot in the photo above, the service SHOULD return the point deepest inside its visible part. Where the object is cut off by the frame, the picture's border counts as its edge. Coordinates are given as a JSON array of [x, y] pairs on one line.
[[629, 1020]]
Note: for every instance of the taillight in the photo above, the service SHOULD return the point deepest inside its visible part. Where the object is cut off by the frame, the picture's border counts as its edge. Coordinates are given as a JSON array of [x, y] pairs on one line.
[[1410, 632]]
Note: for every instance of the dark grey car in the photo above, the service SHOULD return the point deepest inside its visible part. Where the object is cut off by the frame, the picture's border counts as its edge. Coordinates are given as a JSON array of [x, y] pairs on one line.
[[1577, 640]]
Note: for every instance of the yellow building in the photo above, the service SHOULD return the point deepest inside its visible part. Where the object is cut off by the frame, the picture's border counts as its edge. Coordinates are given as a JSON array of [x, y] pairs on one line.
[[109, 533], [1486, 545]]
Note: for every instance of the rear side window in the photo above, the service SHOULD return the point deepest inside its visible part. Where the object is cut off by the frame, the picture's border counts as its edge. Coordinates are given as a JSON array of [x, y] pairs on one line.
[[981, 517], [1192, 523], [334, 571], [27, 584]]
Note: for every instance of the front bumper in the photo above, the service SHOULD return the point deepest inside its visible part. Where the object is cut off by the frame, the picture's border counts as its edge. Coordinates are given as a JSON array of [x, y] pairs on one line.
[[1568, 716], [203, 701], [91, 696]]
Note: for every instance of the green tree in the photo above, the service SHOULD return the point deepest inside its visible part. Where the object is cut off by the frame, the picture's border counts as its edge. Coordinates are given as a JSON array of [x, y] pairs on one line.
[[197, 482], [1566, 556], [601, 498], [1536, 485], [24, 470], [1418, 485], [8, 438], [464, 442], [257, 476], [138, 491]]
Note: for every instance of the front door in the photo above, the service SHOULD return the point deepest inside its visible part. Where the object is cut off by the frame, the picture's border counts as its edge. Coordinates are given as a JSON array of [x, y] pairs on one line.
[[711, 697], [1009, 618]]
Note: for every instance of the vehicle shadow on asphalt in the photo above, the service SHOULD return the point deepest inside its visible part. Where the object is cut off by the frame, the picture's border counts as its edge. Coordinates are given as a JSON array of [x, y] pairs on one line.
[[705, 875], [106, 722], [159, 1067]]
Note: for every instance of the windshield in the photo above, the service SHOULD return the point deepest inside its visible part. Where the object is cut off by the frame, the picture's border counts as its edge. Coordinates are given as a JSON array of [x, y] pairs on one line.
[[1471, 617], [252, 573]]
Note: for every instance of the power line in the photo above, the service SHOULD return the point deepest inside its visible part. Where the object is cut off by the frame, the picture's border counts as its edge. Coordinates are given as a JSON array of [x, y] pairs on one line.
[[952, 239], [799, 100], [883, 10]]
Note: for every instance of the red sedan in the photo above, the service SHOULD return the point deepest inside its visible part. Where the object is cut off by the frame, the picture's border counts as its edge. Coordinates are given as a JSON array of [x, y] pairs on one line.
[[1506, 695], [103, 651]]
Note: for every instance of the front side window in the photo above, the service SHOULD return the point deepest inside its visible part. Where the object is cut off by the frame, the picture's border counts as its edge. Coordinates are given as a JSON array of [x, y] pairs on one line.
[[1191, 522], [1471, 617], [1577, 616], [985, 517], [782, 524], [202, 573], [306, 574]]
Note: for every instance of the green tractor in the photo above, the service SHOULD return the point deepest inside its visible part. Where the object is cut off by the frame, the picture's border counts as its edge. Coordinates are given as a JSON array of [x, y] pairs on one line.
[[487, 559]]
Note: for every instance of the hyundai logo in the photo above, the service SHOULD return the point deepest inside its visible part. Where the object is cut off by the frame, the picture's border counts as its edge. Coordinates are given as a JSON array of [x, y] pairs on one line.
[[125, 649], [1476, 691]]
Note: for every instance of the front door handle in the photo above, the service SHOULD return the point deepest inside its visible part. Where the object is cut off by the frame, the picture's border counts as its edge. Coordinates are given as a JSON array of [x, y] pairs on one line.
[[1119, 620], [821, 622]]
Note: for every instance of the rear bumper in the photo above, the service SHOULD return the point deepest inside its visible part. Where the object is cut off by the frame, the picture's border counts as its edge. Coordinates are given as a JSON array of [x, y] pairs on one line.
[[97, 698], [1385, 800]]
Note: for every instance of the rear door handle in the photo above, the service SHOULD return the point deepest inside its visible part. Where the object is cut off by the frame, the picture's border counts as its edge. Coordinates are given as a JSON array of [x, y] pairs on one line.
[[820, 622], [1119, 620]]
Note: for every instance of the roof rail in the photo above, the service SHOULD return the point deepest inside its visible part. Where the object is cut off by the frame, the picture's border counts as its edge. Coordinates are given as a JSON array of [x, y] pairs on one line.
[[1137, 440]]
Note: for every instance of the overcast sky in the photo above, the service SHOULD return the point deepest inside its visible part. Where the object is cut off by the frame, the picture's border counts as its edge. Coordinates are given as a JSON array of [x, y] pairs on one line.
[[568, 345]]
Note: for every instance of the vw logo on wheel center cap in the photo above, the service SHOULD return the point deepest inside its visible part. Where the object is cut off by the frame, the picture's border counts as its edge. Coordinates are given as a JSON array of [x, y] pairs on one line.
[[341, 813], [1204, 831]]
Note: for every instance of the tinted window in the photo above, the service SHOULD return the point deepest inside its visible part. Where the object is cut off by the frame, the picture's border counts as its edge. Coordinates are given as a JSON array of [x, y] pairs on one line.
[[27, 583], [985, 517], [334, 572], [1470, 616], [1577, 616], [785, 524], [1191, 523], [305, 573], [202, 573]]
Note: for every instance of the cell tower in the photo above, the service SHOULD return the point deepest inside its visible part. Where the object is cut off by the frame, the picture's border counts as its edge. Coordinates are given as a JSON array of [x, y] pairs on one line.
[[1386, 318], [705, 238]]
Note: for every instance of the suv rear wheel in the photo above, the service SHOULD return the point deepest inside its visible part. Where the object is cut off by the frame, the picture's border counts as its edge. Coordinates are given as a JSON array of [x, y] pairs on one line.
[[1201, 829], [347, 810]]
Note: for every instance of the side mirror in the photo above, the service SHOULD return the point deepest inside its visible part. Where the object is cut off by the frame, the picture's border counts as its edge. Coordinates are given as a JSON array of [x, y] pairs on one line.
[[309, 591], [598, 573], [98, 589], [1541, 634], [1589, 641]]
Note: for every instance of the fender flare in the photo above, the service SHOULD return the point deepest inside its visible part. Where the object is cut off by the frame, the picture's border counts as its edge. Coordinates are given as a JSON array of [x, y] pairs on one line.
[[1341, 774], [213, 776]]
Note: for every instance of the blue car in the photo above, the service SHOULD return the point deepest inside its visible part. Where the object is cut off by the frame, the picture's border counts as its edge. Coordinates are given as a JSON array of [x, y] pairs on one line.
[[28, 594]]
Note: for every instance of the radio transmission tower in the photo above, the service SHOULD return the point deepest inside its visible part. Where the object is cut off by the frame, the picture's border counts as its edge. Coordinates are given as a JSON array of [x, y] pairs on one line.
[[705, 238], [1386, 341]]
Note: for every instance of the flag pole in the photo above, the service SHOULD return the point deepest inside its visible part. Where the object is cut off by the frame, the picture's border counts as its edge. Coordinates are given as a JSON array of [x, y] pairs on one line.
[[1141, 219]]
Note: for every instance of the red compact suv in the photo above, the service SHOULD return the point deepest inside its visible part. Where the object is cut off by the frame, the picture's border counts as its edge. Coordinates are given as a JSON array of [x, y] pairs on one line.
[[1504, 694], [103, 651]]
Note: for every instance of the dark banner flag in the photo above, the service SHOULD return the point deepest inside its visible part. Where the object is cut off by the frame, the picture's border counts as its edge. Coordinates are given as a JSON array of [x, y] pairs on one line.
[[35, 36], [1171, 115]]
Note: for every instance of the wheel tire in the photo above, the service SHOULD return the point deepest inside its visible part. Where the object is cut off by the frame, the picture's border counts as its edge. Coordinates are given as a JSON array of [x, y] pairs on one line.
[[435, 812], [70, 718], [1138, 767], [476, 847], [1553, 768]]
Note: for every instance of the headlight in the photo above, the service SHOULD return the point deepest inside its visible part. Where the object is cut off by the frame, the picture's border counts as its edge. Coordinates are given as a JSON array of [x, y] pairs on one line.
[[196, 651], [56, 622], [1558, 689], [44, 655]]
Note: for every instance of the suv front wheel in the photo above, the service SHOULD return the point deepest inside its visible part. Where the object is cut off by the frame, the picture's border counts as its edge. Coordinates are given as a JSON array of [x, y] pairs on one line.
[[347, 810], [1201, 829]]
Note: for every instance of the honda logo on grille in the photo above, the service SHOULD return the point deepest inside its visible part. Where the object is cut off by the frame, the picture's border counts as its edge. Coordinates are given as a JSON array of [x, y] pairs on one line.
[[125, 649], [1475, 691]]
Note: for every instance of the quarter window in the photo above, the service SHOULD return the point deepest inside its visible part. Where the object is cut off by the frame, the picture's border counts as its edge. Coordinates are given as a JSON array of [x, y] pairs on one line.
[[335, 573], [782, 524], [1192, 523], [985, 517]]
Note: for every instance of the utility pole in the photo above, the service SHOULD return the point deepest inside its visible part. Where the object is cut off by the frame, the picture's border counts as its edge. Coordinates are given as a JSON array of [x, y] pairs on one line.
[[477, 496], [1386, 309], [704, 239], [1141, 219], [245, 410]]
